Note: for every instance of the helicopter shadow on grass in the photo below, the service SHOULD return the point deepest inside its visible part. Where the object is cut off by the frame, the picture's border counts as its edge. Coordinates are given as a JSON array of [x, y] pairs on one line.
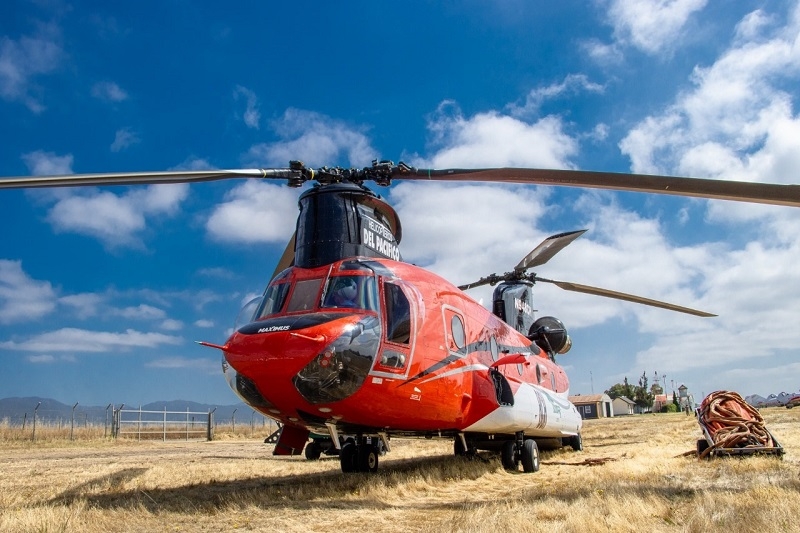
[[297, 491]]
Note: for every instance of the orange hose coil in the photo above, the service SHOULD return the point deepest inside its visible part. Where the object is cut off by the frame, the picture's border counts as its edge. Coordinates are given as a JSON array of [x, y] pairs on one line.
[[732, 422]]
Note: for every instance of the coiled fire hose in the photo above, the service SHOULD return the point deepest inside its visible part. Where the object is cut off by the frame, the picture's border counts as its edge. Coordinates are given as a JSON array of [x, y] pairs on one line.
[[732, 422]]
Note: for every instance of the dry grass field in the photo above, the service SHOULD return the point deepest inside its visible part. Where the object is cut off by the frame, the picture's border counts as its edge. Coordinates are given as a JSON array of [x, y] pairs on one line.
[[631, 476]]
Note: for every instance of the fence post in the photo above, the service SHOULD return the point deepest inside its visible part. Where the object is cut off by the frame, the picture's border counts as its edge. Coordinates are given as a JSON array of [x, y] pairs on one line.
[[164, 426], [139, 424], [72, 423], [210, 428], [35, 410]]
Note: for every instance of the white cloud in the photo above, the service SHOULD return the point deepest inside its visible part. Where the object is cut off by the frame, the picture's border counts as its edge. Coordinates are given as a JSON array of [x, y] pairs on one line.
[[41, 359], [204, 323], [652, 26], [205, 365], [23, 298], [314, 139], [255, 212], [123, 139], [109, 91], [735, 121], [84, 305], [41, 163], [81, 340], [251, 114], [571, 85], [116, 218], [492, 139], [140, 312], [171, 324], [23, 61]]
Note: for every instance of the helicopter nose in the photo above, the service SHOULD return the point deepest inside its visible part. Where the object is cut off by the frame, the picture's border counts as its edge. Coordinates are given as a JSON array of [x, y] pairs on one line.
[[328, 359]]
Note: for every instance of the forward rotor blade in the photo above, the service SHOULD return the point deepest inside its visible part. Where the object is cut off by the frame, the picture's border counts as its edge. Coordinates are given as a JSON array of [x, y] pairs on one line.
[[547, 249], [765, 193], [596, 291], [143, 178]]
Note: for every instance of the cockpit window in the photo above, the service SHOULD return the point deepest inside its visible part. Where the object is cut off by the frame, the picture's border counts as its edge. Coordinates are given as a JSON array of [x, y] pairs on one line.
[[305, 294], [273, 300], [352, 292]]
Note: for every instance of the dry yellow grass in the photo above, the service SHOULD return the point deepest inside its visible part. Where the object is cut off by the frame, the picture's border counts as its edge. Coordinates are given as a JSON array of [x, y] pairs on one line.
[[236, 484]]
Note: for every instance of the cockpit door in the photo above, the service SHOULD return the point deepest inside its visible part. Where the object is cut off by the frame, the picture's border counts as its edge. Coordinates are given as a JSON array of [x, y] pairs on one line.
[[398, 331]]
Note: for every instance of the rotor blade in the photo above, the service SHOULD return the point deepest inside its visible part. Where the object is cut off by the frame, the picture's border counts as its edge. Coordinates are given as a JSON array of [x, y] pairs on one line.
[[144, 178], [743, 191], [287, 259], [596, 291], [547, 249]]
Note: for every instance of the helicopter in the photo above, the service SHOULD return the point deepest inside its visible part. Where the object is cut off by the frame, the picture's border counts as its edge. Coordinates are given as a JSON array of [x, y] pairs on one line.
[[351, 342]]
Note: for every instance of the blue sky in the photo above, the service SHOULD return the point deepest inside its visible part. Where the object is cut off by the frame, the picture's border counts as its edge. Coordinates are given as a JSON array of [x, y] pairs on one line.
[[104, 290]]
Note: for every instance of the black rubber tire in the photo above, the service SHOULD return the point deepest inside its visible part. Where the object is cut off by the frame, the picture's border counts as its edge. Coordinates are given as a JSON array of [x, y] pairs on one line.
[[313, 450], [576, 441], [508, 455], [458, 447], [348, 458], [702, 445], [368, 458], [530, 456]]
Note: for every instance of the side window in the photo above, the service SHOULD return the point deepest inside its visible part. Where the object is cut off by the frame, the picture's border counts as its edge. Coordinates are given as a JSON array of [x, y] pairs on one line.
[[493, 348], [305, 295], [398, 314], [455, 334]]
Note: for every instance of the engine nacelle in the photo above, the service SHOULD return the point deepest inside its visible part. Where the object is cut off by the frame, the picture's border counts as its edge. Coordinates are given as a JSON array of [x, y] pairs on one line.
[[550, 335]]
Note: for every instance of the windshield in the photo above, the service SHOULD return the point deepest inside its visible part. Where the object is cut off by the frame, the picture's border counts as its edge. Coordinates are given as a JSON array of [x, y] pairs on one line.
[[273, 300], [351, 292]]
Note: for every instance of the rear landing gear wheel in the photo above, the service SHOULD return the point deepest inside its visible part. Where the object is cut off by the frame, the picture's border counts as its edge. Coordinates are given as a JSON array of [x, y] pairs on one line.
[[530, 456], [313, 450], [508, 455]]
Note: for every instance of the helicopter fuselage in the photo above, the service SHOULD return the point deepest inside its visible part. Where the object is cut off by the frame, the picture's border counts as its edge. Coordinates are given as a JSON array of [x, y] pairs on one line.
[[408, 354]]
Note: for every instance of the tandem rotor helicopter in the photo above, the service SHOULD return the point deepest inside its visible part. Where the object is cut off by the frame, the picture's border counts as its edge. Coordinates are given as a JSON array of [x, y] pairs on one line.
[[350, 342]]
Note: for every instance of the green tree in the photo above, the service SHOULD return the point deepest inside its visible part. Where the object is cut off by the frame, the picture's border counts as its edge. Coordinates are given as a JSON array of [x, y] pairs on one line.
[[642, 396], [675, 401], [621, 389]]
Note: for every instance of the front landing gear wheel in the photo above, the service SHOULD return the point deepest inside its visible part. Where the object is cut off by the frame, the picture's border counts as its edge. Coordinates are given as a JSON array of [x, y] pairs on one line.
[[530, 456], [348, 457], [576, 441], [368, 458]]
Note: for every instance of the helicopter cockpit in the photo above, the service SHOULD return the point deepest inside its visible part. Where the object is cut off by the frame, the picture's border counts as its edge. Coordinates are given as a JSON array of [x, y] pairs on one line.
[[352, 314]]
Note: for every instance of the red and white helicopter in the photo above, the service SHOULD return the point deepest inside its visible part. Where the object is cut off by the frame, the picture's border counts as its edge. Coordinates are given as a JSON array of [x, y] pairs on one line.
[[349, 340]]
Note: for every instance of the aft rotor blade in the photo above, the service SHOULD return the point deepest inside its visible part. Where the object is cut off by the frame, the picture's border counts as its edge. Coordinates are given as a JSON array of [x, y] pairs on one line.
[[547, 249], [287, 259], [144, 178], [743, 191], [576, 287]]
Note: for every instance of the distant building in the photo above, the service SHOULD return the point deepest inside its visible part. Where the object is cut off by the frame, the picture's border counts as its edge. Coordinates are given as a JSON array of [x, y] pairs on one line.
[[659, 402], [623, 405], [593, 405]]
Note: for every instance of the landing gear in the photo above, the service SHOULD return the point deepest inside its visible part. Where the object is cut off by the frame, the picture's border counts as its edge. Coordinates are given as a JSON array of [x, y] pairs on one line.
[[576, 441], [518, 451], [362, 457]]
